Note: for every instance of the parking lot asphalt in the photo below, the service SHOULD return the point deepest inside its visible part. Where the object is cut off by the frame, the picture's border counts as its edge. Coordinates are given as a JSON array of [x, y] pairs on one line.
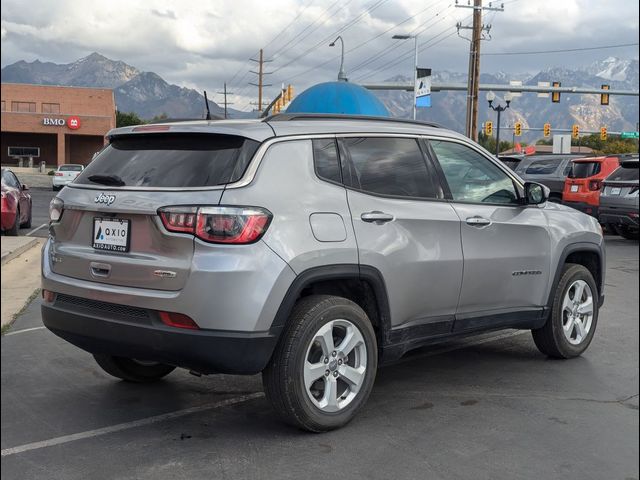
[[40, 198], [485, 408]]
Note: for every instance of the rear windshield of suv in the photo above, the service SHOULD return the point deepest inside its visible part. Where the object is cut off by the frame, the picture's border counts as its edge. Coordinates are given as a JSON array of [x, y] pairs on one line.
[[584, 169], [70, 168], [172, 160], [543, 167], [625, 174]]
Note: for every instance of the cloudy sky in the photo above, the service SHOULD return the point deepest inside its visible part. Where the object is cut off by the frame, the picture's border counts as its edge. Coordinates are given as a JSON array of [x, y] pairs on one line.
[[205, 43]]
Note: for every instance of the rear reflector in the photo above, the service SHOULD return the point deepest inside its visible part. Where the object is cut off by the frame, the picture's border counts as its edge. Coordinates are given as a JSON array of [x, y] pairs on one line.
[[178, 320], [48, 296], [229, 225]]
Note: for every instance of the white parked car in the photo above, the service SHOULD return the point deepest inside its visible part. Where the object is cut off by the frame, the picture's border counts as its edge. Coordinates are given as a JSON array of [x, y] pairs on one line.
[[66, 174]]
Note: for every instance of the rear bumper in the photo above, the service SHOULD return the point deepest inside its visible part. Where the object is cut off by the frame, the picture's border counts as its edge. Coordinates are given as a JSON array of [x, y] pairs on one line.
[[584, 207], [618, 216], [120, 334]]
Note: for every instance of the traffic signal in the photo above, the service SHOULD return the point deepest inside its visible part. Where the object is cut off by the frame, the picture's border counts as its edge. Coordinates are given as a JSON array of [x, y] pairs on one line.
[[288, 93], [517, 129], [603, 133], [555, 96], [575, 131], [547, 129], [604, 97], [488, 128]]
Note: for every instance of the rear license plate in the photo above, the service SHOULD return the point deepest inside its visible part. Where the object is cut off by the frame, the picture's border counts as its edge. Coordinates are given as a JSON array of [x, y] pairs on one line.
[[111, 235], [615, 191], [574, 188]]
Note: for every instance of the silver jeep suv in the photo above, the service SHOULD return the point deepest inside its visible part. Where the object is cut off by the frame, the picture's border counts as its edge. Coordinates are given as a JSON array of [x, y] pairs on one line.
[[311, 248]]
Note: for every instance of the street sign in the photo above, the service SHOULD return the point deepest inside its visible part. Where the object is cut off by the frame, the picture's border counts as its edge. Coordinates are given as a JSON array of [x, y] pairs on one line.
[[516, 83], [423, 87], [629, 135], [561, 144]]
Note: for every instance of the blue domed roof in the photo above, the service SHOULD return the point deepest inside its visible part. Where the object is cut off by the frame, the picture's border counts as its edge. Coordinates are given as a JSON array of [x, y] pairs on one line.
[[338, 97]]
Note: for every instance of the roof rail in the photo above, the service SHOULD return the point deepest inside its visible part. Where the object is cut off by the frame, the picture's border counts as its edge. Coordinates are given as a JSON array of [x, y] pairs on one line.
[[286, 117]]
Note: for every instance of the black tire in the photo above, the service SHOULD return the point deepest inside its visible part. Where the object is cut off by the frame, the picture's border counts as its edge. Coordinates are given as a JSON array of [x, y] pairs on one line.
[[131, 370], [13, 231], [283, 378], [626, 232], [550, 339], [55, 189], [27, 224]]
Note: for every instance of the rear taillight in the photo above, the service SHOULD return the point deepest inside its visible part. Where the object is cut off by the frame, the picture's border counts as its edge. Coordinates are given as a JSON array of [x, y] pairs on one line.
[[58, 174], [179, 219], [178, 320], [56, 207], [595, 185], [231, 225]]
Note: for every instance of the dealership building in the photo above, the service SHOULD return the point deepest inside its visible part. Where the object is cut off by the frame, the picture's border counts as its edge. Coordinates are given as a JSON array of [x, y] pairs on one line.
[[55, 125]]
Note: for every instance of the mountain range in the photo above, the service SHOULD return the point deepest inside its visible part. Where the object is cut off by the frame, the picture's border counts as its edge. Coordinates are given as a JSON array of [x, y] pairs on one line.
[[144, 93], [149, 95]]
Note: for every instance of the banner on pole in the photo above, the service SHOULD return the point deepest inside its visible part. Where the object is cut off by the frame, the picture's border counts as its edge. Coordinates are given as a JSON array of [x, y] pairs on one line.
[[423, 87]]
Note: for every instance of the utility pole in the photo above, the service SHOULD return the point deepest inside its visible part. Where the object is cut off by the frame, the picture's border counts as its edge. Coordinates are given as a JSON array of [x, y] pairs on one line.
[[225, 93], [260, 61], [473, 79]]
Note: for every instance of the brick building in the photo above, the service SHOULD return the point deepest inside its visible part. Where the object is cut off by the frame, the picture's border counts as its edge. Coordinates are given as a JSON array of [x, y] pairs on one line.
[[56, 125]]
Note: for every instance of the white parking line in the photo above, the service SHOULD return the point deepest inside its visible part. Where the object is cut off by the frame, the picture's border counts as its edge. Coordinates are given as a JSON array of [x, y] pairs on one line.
[[24, 330], [35, 230], [128, 425], [211, 406]]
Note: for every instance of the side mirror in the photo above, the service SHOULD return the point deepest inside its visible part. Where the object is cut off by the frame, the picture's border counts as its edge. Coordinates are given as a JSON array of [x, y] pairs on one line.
[[535, 193], [24, 187]]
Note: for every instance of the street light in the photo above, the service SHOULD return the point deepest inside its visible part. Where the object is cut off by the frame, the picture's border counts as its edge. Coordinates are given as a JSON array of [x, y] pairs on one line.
[[342, 77], [415, 65], [491, 97]]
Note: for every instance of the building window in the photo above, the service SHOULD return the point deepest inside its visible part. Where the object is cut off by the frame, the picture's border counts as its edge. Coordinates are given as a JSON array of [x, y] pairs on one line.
[[4, 105], [23, 151], [23, 107], [50, 108]]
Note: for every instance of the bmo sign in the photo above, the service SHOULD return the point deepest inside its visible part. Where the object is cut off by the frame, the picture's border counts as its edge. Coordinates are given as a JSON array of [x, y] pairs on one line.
[[73, 122]]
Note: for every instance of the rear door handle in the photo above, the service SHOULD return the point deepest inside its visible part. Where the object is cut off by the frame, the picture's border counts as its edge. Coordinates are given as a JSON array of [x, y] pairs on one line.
[[478, 221], [376, 217]]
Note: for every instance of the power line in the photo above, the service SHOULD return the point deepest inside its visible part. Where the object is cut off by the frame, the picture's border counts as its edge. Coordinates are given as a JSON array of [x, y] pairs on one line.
[[366, 42], [387, 50], [423, 46], [289, 24], [374, 5], [304, 33], [583, 49]]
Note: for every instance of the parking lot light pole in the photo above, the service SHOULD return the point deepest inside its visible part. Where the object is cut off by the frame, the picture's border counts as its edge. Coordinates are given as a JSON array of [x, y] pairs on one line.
[[342, 77], [415, 65], [498, 108]]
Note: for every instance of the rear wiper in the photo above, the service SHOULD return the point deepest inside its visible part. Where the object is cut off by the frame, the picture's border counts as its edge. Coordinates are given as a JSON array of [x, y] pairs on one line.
[[111, 180]]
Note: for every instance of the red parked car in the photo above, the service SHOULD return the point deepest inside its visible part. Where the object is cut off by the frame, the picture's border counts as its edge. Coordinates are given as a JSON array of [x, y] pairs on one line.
[[16, 204], [582, 186]]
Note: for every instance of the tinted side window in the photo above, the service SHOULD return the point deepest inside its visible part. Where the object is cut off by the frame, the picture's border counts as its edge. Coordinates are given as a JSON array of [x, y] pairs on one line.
[[584, 169], [325, 159], [472, 177], [543, 167], [389, 166]]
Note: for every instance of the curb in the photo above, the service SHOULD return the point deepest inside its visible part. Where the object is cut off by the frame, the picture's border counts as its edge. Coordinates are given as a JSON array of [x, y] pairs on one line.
[[19, 250]]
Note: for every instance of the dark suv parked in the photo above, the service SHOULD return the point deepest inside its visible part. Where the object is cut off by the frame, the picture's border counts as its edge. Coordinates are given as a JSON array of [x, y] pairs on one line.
[[550, 170], [619, 200]]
